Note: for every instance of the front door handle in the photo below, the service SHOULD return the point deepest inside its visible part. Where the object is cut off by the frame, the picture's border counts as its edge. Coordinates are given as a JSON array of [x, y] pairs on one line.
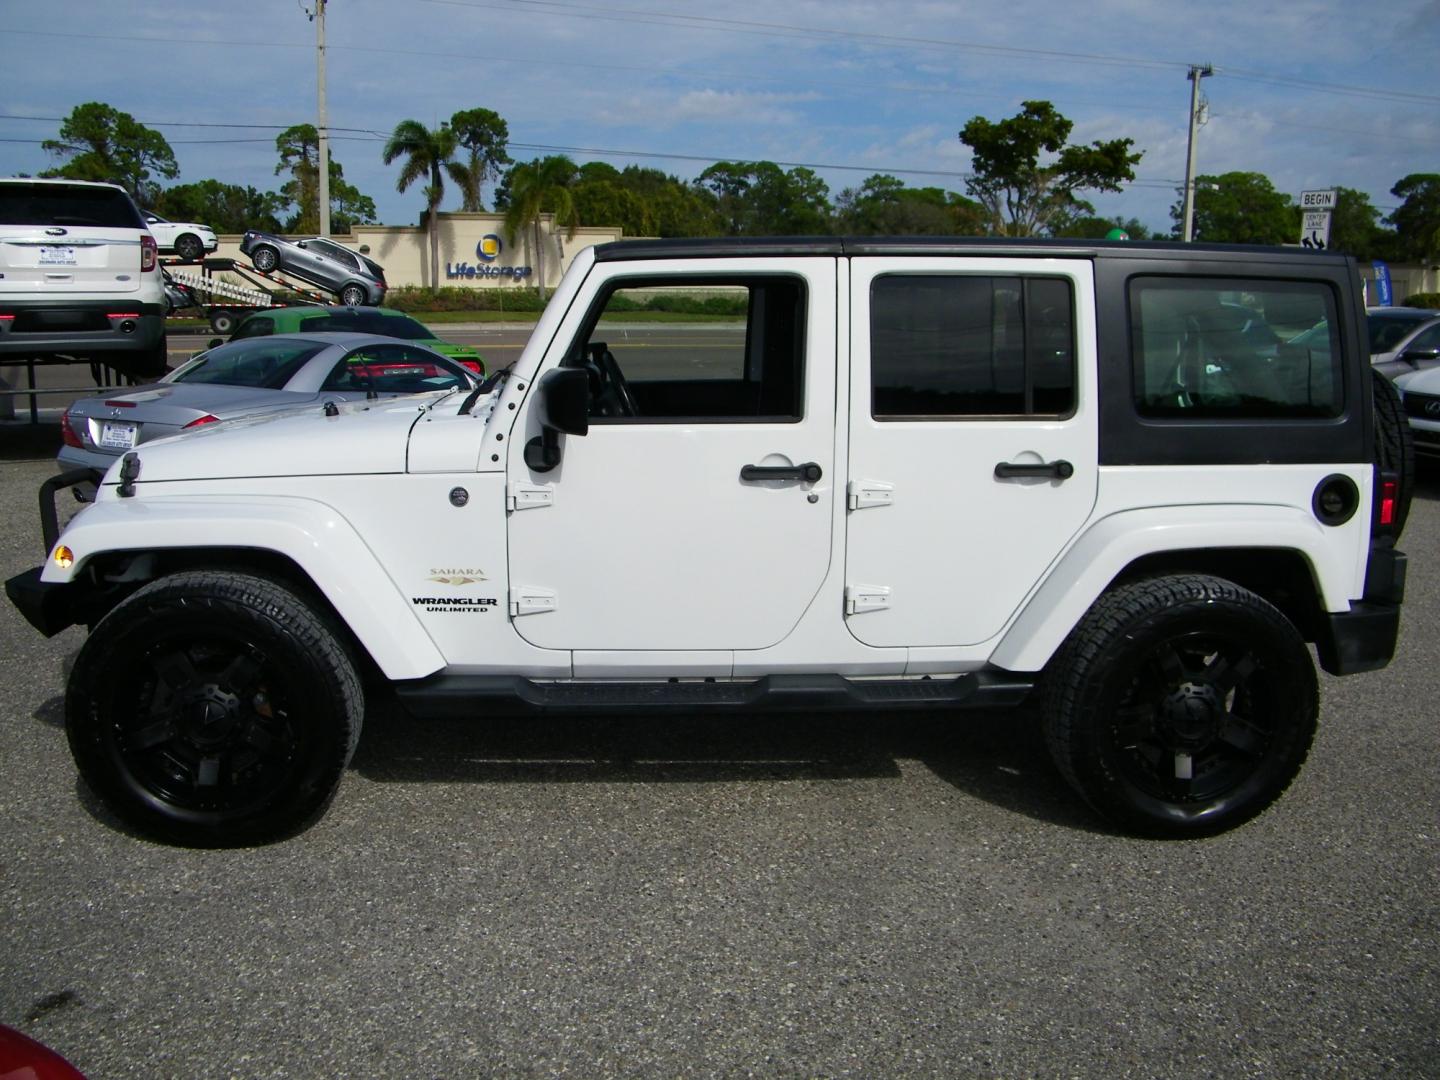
[[810, 472], [1048, 470]]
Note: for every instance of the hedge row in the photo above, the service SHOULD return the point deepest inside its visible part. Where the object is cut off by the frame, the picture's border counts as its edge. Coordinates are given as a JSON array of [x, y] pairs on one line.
[[1423, 299], [413, 298]]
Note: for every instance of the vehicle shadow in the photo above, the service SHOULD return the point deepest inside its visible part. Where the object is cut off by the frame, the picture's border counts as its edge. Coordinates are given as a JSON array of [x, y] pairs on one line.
[[998, 757], [23, 441]]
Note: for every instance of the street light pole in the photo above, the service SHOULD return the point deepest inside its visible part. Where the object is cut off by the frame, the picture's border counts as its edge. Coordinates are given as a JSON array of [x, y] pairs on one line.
[[324, 147], [1197, 72]]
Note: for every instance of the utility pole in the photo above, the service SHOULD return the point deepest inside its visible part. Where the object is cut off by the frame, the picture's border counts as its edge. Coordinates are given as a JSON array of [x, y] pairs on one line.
[[323, 131], [1197, 72]]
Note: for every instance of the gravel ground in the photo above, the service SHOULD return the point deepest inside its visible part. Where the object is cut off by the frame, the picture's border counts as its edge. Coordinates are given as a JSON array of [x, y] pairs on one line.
[[819, 896]]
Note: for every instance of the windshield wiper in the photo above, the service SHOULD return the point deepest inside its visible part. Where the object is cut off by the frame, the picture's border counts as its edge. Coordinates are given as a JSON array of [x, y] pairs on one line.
[[489, 383]]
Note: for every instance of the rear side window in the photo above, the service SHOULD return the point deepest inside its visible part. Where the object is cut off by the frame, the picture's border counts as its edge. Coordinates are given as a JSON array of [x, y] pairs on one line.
[[1216, 348], [971, 346], [59, 204], [263, 364]]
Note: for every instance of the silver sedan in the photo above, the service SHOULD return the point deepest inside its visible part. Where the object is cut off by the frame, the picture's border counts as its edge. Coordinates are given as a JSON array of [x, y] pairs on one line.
[[252, 376]]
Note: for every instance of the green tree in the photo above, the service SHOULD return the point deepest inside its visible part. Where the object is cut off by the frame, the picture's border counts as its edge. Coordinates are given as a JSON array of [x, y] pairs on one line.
[[486, 136], [602, 198], [757, 198], [1240, 208], [226, 208], [103, 143], [1094, 227], [428, 155], [884, 206], [677, 208], [1353, 225], [1023, 196], [299, 149], [1417, 221], [535, 188]]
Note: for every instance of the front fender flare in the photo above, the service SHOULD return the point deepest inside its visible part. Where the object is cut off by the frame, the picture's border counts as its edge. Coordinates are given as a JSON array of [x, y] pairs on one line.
[[1102, 552], [314, 536]]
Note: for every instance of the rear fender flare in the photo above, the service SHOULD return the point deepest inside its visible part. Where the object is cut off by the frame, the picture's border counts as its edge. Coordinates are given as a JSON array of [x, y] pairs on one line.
[[1103, 552]]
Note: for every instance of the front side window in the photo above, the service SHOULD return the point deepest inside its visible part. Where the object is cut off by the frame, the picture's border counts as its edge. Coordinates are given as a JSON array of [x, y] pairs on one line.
[[261, 363], [971, 346], [255, 326], [721, 349], [1216, 348]]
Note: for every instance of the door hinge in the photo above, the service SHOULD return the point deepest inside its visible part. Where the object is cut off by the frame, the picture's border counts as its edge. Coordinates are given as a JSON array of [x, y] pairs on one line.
[[529, 496], [864, 493], [863, 598], [530, 600]]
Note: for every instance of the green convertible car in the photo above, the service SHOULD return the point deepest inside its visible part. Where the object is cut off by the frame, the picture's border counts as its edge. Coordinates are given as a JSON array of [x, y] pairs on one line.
[[364, 320]]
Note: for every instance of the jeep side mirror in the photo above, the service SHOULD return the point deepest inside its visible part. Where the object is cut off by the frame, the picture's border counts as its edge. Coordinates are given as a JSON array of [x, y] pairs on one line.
[[563, 408], [1421, 356]]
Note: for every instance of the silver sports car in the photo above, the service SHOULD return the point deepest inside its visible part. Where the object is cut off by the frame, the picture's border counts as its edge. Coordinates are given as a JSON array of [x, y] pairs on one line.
[[252, 376]]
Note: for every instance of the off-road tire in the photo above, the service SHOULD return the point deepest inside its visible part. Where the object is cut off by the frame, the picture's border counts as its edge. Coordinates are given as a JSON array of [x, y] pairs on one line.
[[265, 259], [1184, 666], [1394, 444], [188, 247], [214, 709]]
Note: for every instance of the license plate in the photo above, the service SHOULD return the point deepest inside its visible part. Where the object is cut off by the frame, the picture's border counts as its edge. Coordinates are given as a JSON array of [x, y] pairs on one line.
[[57, 256], [118, 435]]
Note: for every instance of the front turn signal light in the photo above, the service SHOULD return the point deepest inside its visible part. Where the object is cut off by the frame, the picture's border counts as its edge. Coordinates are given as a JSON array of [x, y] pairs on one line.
[[64, 557]]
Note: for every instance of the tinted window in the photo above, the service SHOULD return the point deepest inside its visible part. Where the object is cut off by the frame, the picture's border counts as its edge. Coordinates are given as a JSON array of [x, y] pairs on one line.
[[1216, 348], [725, 348], [367, 322], [971, 346], [255, 326], [264, 364], [395, 369], [1387, 331], [52, 204], [334, 251]]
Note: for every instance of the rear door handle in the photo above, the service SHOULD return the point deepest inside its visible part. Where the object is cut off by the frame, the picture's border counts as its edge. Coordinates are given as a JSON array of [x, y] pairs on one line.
[[1048, 470], [810, 472]]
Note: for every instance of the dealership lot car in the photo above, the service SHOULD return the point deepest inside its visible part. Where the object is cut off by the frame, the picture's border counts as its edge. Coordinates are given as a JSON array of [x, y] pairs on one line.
[[361, 320], [1403, 339], [351, 276], [908, 473], [246, 378], [79, 277], [187, 239], [1420, 391]]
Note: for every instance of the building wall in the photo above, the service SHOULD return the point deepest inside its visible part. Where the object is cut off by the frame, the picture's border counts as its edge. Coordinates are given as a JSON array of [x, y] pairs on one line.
[[474, 251]]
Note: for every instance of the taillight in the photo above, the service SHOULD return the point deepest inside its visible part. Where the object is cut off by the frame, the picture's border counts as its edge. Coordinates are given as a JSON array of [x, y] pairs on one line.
[[149, 253], [474, 366], [206, 419], [1389, 497], [67, 432]]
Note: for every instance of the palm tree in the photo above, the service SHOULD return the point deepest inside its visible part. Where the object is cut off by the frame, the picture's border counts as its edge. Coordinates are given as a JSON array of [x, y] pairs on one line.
[[535, 187], [428, 155]]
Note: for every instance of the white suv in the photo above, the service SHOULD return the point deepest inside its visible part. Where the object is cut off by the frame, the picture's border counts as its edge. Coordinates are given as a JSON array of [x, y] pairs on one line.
[[872, 474], [187, 239], [79, 276]]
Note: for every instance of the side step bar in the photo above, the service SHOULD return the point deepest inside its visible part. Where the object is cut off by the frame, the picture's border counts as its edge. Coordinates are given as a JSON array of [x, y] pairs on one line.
[[508, 695]]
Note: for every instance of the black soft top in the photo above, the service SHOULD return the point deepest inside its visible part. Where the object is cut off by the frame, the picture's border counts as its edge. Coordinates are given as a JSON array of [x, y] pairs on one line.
[[730, 247]]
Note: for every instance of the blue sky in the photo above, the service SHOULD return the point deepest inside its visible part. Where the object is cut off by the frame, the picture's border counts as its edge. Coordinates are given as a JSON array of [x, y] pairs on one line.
[[1312, 93]]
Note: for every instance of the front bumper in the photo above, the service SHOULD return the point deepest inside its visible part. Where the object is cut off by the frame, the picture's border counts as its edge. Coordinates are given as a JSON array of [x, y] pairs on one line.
[[49, 606]]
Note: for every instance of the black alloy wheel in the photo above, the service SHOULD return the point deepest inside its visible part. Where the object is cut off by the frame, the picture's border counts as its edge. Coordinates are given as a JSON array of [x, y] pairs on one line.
[[213, 709], [1181, 706]]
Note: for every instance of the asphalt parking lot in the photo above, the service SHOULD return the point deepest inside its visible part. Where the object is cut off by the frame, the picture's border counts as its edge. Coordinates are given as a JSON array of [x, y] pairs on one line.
[[816, 896]]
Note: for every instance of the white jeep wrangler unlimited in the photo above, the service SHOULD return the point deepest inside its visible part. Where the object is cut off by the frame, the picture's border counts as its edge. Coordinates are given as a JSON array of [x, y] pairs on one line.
[[886, 474]]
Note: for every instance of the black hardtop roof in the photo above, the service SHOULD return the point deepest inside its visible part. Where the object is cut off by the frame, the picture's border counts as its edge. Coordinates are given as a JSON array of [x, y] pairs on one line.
[[727, 247]]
